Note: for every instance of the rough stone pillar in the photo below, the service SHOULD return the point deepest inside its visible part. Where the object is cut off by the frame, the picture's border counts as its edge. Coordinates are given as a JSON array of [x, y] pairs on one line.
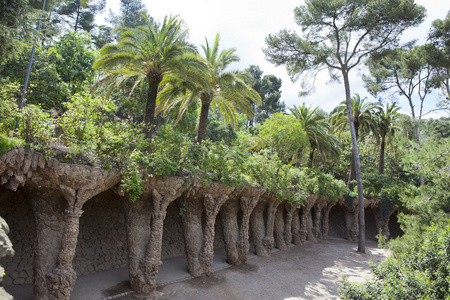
[[193, 233], [63, 277], [290, 209], [6, 250], [229, 217], [212, 206], [296, 236], [268, 239], [49, 222], [258, 228], [279, 228], [305, 220], [317, 219], [351, 223], [248, 204], [381, 223], [138, 220], [149, 265], [326, 220]]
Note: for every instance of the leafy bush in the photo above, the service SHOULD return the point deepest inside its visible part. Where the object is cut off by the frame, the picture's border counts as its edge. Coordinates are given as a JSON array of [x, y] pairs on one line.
[[419, 273], [8, 144]]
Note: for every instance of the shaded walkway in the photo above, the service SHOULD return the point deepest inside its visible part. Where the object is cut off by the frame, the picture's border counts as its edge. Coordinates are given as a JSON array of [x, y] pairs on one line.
[[312, 271]]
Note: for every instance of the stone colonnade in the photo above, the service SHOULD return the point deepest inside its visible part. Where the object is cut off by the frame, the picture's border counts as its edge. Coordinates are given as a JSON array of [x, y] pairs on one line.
[[56, 193]]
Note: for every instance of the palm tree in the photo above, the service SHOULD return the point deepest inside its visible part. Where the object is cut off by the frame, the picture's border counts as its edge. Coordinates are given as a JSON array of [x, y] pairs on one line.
[[363, 119], [146, 55], [387, 117], [316, 127], [223, 90]]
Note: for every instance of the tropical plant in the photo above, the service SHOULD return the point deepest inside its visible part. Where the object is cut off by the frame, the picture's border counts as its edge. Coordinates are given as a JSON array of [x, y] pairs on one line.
[[386, 119], [339, 35], [363, 119], [223, 90], [146, 55], [316, 127]]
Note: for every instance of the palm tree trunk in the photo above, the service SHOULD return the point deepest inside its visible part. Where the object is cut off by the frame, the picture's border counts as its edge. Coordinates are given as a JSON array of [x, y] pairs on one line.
[[311, 158], [203, 122], [149, 114], [382, 150], [362, 225]]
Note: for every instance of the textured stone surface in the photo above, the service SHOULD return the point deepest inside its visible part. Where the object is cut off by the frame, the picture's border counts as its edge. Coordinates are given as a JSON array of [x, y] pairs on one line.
[[67, 220]]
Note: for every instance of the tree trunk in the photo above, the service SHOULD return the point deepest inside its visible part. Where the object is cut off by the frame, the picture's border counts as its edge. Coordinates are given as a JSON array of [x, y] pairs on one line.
[[352, 175], [311, 158], [203, 122], [150, 105], [362, 227], [382, 146], [78, 17]]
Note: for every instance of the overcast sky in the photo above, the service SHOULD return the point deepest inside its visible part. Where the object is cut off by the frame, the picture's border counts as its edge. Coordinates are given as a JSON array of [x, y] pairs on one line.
[[243, 24]]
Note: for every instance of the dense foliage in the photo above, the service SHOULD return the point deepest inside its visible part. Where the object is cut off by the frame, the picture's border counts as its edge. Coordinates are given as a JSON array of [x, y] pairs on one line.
[[421, 272], [147, 104]]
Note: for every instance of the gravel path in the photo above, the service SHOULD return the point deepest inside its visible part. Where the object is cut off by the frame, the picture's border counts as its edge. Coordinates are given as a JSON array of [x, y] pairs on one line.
[[312, 271]]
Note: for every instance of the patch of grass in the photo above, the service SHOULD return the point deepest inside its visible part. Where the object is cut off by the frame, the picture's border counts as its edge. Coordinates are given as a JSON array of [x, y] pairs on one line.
[[7, 144]]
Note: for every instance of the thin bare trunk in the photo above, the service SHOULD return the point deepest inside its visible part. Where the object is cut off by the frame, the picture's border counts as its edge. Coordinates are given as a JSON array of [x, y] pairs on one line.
[[382, 150], [362, 227]]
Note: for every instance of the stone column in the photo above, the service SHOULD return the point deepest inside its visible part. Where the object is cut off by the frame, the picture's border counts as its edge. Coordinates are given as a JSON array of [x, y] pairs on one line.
[[229, 218], [212, 206], [151, 263], [138, 220], [279, 228], [305, 218], [248, 204], [6, 250], [290, 209], [296, 236], [351, 223], [193, 233], [326, 220], [317, 219], [63, 277], [258, 228], [268, 239]]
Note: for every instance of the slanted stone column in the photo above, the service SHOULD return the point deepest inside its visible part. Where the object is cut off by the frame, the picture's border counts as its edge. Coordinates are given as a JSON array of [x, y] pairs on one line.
[[138, 219], [145, 231], [290, 210], [258, 227], [229, 217], [248, 204], [317, 219], [326, 220], [280, 242], [63, 277], [193, 233], [262, 230], [382, 222], [351, 223], [305, 220], [199, 240], [296, 236], [212, 206]]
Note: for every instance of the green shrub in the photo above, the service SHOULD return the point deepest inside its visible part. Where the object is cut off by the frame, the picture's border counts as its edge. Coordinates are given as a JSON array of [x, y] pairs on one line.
[[419, 273]]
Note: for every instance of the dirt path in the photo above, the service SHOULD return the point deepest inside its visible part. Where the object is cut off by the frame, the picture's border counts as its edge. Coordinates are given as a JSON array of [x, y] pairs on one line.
[[313, 271]]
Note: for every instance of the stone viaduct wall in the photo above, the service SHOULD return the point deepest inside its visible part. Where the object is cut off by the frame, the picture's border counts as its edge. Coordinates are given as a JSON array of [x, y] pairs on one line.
[[68, 220]]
